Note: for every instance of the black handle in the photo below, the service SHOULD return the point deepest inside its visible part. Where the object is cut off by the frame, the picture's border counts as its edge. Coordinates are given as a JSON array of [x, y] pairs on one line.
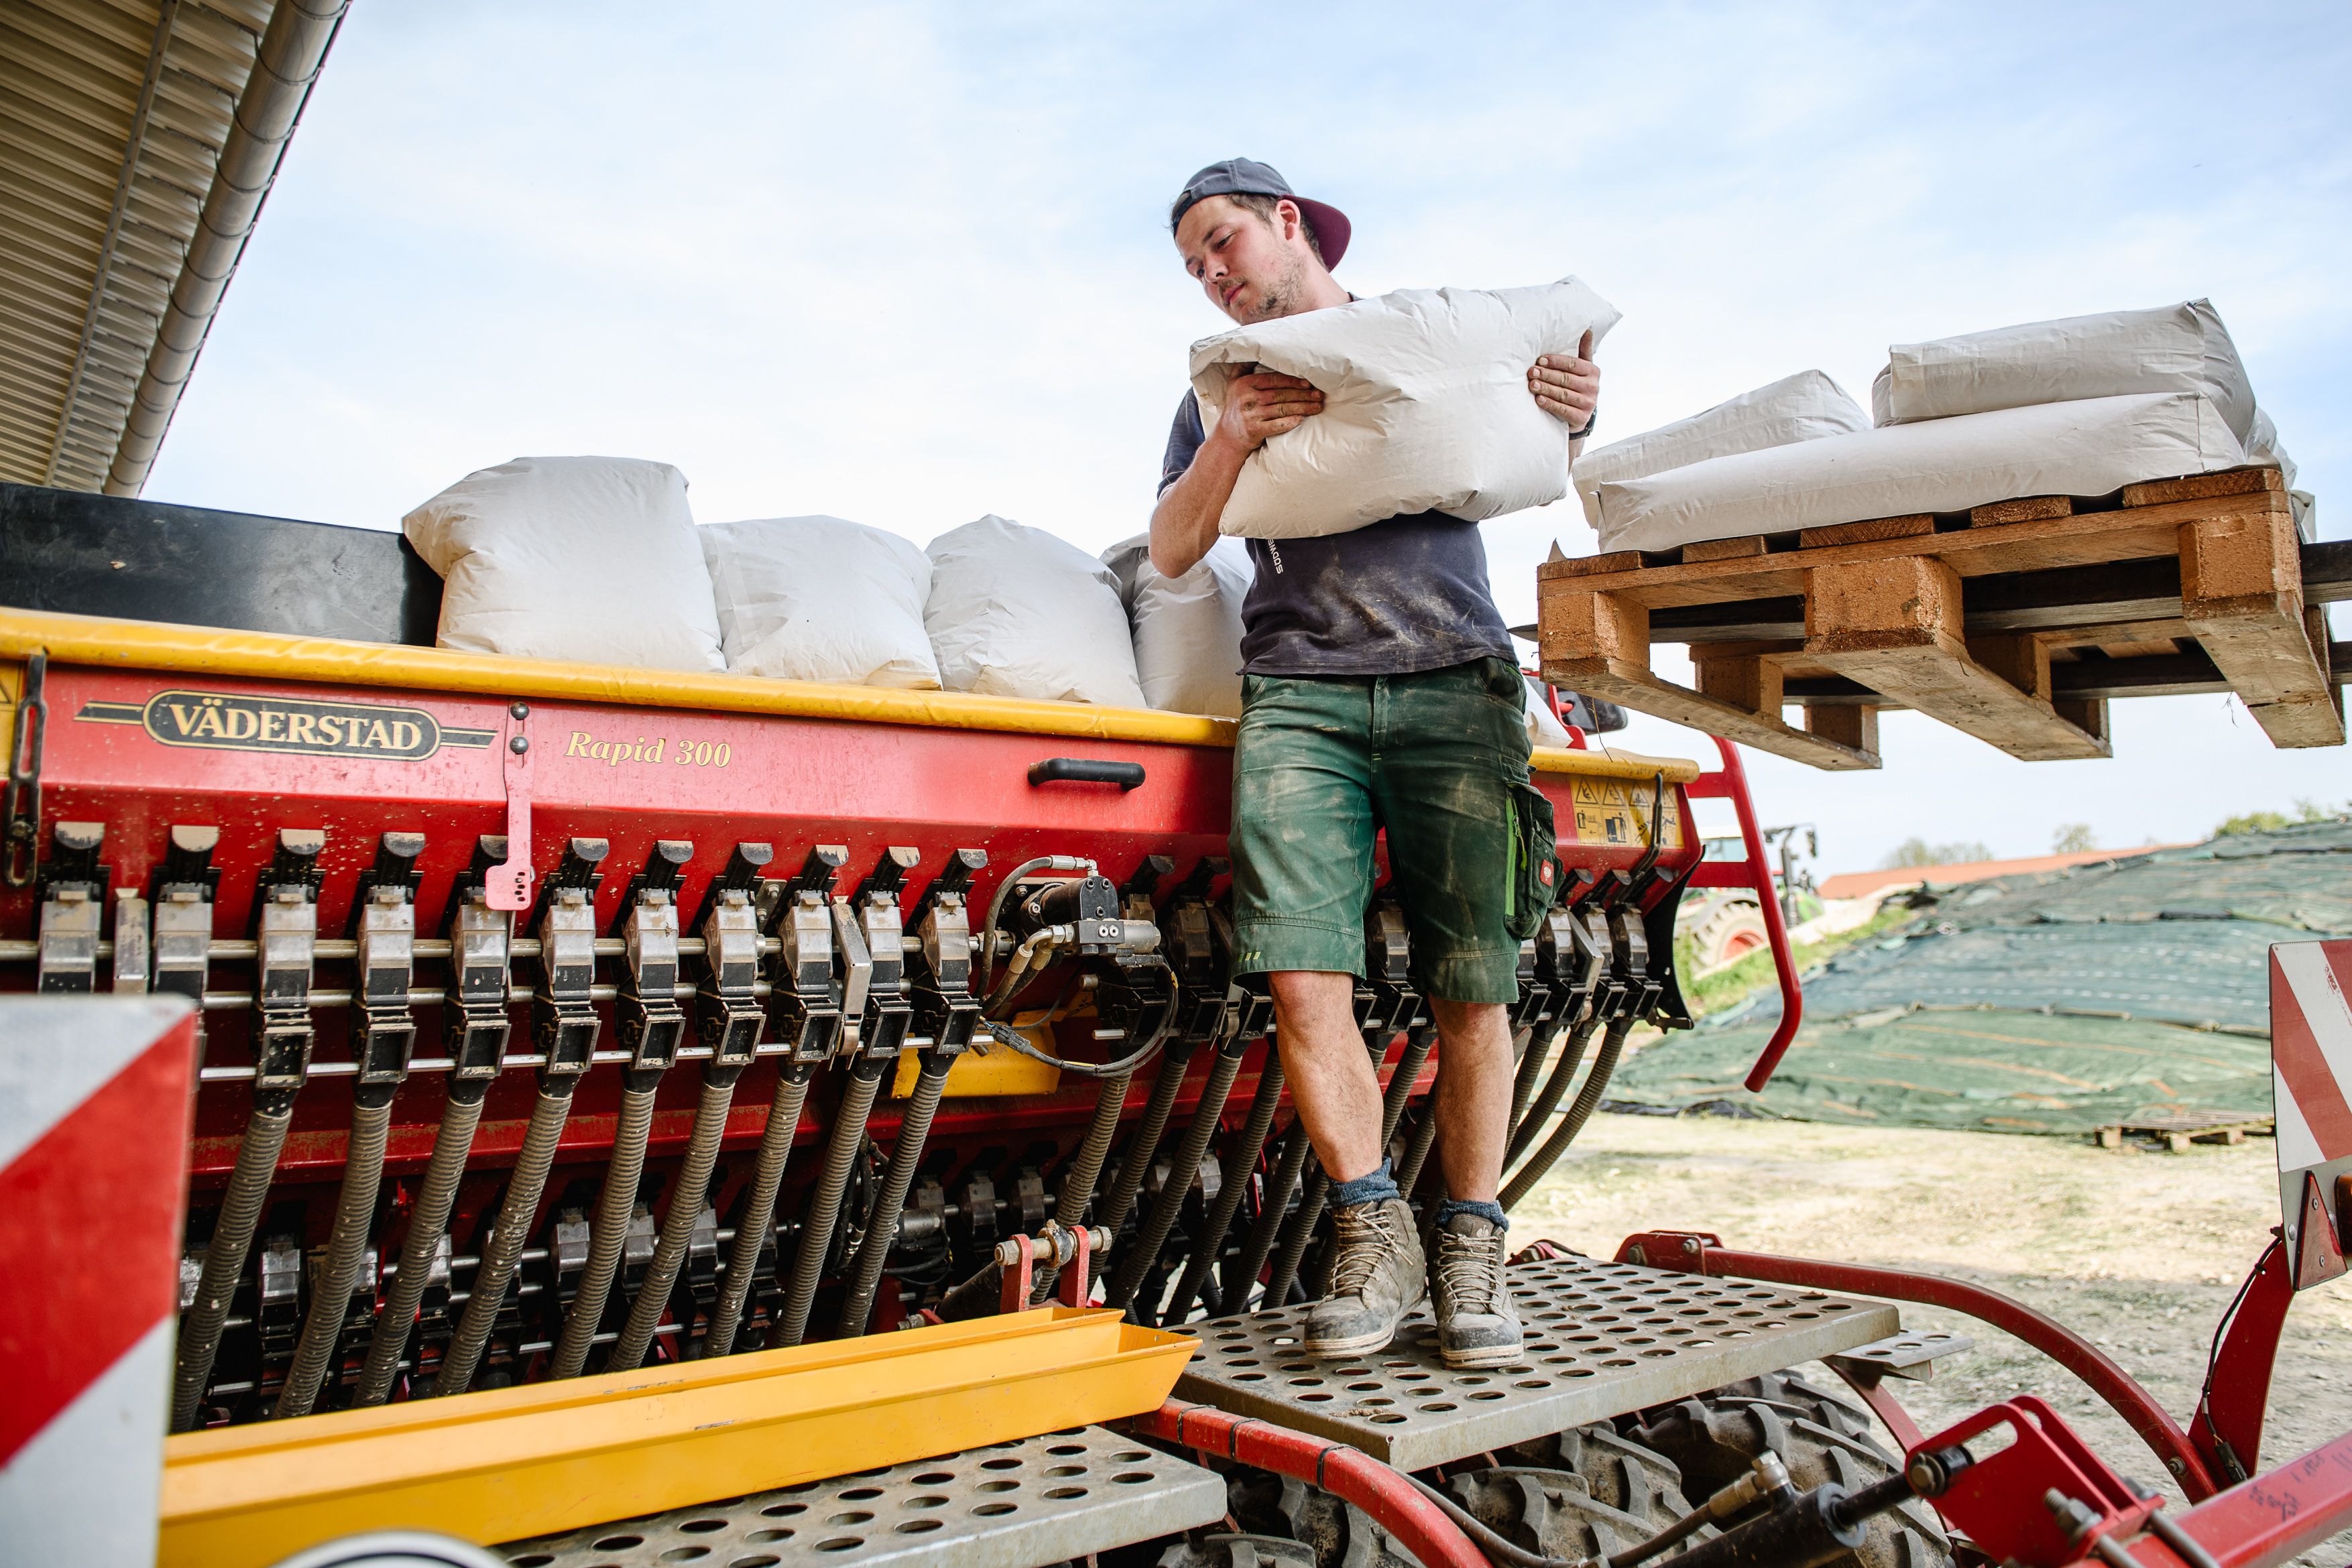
[[1086, 770]]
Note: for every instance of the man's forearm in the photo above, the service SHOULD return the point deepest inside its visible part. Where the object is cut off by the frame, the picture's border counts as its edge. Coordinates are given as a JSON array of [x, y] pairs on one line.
[[1184, 525]]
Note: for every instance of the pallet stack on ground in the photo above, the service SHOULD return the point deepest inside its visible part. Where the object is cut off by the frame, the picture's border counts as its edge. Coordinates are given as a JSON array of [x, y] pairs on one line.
[[2016, 622]]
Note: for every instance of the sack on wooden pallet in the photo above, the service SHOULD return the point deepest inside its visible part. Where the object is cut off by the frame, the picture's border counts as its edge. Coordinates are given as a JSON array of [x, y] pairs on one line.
[[586, 558], [818, 598], [2179, 348], [1426, 407], [2088, 447], [1188, 629], [1802, 407], [1014, 611]]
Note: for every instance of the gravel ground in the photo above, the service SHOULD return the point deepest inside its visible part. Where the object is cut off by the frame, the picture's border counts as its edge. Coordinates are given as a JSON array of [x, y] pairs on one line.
[[2138, 1250]]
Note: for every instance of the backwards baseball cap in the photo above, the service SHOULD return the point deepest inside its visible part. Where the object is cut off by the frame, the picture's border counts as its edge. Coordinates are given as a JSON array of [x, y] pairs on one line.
[[1249, 177]]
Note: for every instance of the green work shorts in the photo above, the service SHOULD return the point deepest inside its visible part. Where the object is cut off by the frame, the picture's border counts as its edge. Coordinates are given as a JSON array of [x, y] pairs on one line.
[[1323, 763]]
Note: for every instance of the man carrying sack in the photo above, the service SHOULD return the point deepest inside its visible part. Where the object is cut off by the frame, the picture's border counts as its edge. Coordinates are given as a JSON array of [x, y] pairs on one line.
[[1379, 690]]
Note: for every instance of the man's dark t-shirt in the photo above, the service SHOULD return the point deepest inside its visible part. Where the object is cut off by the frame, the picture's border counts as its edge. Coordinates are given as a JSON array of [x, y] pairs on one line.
[[1405, 594]]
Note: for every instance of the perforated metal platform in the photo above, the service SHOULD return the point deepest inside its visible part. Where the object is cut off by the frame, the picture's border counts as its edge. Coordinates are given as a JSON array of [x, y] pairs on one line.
[[1013, 1505], [1601, 1339]]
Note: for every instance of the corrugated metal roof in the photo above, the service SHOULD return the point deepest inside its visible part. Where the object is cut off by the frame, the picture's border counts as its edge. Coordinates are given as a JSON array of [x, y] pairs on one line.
[[99, 203]]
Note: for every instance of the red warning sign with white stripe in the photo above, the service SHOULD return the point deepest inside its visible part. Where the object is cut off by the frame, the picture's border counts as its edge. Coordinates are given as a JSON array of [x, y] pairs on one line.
[[2310, 1079], [95, 1096]]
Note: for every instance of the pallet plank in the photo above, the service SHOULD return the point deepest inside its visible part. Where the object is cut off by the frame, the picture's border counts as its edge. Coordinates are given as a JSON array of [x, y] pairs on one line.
[[1632, 684], [1725, 550], [2024, 509], [1869, 531]]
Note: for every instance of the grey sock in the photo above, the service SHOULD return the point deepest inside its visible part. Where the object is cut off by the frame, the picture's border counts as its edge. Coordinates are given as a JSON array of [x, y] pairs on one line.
[[1492, 1213], [1374, 1185]]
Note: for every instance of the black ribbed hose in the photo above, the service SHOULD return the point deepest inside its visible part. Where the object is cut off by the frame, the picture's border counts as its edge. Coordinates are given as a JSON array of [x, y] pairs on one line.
[[1078, 1183], [1532, 1065], [1243, 1166], [331, 1302], [1232, 1292], [1152, 1235], [608, 1233], [1135, 1162], [452, 1144], [882, 1218], [841, 1153], [1524, 1131], [1588, 1099], [755, 1226], [686, 1193], [232, 1243], [525, 1186]]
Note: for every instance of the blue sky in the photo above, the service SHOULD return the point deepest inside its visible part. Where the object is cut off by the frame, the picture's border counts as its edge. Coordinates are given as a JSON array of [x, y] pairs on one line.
[[907, 264]]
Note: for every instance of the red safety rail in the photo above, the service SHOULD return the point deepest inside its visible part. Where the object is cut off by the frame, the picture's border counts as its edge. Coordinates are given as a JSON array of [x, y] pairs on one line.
[[1730, 783], [2265, 1520], [1697, 1252], [1394, 1503]]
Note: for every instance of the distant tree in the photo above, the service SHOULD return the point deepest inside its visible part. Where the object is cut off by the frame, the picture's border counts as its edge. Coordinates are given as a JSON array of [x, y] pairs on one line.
[[2073, 838], [1920, 853], [2253, 823], [2310, 811]]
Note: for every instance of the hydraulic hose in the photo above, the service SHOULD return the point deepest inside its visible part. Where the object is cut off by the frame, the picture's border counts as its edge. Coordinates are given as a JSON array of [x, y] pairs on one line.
[[1233, 1290], [607, 1234], [1588, 1099], [452, 1144], [515, 1212], [882, 1218], [240, 1215], [1319, 1185], [1416, 1154], [841, 1152], [1526, 1129], [1136, 1161], [1085, 1170], [1211, 1244], [1153, 1234], [757, 1219], [1004, 890], [1531, 1064], [331, 1302], [693, 1183]]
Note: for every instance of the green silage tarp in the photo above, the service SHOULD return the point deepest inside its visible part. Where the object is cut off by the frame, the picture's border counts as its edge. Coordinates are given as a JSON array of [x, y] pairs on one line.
[[1968, 1070]]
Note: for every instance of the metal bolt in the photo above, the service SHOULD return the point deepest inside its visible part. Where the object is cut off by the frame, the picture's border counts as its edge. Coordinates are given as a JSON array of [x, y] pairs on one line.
[[520, 710], [1690, 1243], [519, 744], [2178, 1467]]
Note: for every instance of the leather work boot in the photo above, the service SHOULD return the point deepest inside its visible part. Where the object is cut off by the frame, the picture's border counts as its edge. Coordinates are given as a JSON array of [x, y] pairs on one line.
[[1377, 1275], [1476, 1324]]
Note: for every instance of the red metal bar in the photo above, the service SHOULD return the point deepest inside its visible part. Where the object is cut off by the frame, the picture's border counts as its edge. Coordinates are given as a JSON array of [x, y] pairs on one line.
[[1694, 1252], [2228, 1429], [1730, 782], [2268, 1519], [1392, 1502], [1871, 1390]]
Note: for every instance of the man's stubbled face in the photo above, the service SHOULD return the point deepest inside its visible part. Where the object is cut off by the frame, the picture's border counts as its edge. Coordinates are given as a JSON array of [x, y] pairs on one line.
[[1250, 269]]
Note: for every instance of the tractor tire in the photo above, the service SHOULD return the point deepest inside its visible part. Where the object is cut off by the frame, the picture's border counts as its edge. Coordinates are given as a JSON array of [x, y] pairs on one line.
[[1818, 1435], [1731, 931], [1334, 1532], [1238, 1551]]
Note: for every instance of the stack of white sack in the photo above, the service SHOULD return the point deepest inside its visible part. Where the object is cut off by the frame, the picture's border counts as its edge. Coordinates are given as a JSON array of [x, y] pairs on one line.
[[818, 598], [1188, 629], [2078, 407], [1014, 611], [592, 559], [1426, 407]]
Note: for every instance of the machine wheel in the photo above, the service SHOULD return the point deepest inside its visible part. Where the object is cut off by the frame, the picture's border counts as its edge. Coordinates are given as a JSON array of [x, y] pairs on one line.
[[1821, 1436], [1238, 1551], [1585, 1492], [1731, 931]]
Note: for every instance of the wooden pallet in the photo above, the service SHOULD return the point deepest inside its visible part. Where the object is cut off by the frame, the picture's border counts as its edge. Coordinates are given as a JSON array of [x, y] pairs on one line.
[[2017, 621], [2180, 1128]]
